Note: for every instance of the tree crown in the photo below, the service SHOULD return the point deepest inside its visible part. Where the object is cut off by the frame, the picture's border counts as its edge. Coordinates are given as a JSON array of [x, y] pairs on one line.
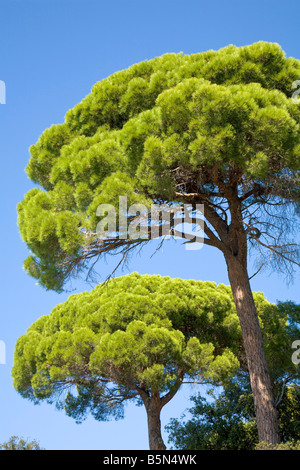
[[131, 336], [207, 127]]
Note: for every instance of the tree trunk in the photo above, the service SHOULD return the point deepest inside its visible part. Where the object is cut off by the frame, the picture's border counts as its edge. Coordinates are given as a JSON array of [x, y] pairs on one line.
[[266, 413], [153, 408]]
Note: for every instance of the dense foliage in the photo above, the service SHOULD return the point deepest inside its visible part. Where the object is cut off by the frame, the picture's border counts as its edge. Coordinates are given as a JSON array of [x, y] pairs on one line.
[[165, 129], [134, 334], [226, 421], [222, 422]]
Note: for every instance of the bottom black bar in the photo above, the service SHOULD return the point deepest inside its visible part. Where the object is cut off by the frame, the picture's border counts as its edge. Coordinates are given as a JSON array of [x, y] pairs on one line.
[[138, 459]]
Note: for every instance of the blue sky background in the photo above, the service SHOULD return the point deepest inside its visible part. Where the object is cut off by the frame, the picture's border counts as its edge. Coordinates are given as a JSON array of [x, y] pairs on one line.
[[51, 54]]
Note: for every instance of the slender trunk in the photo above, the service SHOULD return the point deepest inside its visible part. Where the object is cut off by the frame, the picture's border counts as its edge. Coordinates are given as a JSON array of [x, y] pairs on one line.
[[153, 408], [266, 413], [154, 404]]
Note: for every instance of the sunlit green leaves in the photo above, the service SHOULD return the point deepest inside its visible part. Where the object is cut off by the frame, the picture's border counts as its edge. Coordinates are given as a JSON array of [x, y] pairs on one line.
[[226, 108], [134, 332]]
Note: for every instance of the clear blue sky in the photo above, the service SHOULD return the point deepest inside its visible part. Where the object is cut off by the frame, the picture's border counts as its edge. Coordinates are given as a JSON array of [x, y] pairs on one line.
[[51, 54]]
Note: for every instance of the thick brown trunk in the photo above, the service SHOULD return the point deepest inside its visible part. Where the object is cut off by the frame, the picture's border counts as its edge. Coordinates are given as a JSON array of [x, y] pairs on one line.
[[266, 413], [153, 408]]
